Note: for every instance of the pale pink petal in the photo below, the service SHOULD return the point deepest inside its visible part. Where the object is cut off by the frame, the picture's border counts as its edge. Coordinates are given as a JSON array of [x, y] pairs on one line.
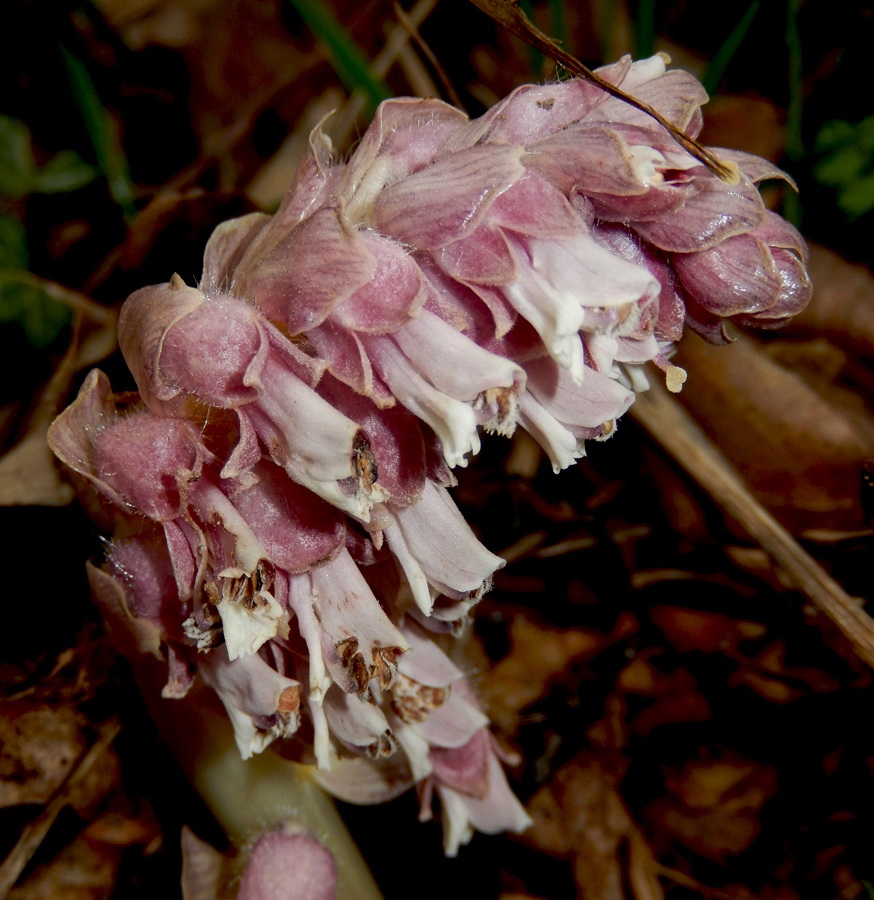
[[359, 641], [261, 703], [444, 545], [359, 724]]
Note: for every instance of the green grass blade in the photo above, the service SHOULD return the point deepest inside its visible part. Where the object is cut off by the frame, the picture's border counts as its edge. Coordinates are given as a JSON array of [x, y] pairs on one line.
[[794, 134], [349, 62], [729, 48], [110, 156], [536, 59], [644, 29], [559, 25]]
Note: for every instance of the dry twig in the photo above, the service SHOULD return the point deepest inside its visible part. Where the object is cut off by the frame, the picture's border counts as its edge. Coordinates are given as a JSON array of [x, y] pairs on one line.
[[672, 427]]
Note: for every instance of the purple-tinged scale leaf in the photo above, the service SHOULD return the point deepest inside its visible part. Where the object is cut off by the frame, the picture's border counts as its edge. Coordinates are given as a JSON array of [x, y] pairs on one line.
[[677, 95], [394, 293], [405, 136], [447, 200], [225, 249], [331, 261], [298, 530], [713, 212], [736, 277]]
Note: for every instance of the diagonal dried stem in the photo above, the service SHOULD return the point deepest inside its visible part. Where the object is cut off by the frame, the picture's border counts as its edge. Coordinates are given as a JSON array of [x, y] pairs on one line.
[[672, 427], [508, 14], [33, 834]]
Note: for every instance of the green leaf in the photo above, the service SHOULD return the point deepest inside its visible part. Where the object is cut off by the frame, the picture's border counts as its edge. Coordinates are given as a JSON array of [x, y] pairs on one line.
[[729, 48], [16, 158], [101, 129], [846, 163], [40, 316], [858, 198], [350, 64], [66, 171], [13, 244], [644, 29], [19, 174]]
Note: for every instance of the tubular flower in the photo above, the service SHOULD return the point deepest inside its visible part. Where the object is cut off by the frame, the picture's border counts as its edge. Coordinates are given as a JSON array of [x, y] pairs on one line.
[[279, 493]]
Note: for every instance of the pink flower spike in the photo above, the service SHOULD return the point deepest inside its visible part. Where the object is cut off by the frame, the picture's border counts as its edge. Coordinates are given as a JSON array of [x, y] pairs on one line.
[[278, 494]]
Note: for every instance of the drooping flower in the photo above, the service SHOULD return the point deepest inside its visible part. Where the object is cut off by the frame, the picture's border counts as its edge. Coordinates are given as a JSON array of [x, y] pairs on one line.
[[279, 493]]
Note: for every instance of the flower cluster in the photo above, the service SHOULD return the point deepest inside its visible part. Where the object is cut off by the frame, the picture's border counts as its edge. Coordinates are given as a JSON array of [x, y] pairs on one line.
[[278, 492]]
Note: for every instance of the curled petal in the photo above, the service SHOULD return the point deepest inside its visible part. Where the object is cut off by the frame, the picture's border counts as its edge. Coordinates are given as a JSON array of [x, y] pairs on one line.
[[359, 642], [359, 725], [434, 539], [261, 703]]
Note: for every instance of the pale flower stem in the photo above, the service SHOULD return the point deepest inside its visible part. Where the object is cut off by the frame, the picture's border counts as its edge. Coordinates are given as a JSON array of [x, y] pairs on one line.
[[245, 794], [250, 797]]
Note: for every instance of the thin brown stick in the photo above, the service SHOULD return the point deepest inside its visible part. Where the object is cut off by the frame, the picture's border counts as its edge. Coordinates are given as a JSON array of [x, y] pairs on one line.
[[413, 30], [34, 833], [343, 122], [672, 427], [508, 14], [73, 299]]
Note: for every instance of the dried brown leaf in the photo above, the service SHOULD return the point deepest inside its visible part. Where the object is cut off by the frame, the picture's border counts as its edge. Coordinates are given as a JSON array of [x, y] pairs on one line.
[[38, 747], [581, 814], [708, 632], [799, 453], [676, 697], [539, 653], [713, 806], [768, 675], [81, 871], [842, 307]]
